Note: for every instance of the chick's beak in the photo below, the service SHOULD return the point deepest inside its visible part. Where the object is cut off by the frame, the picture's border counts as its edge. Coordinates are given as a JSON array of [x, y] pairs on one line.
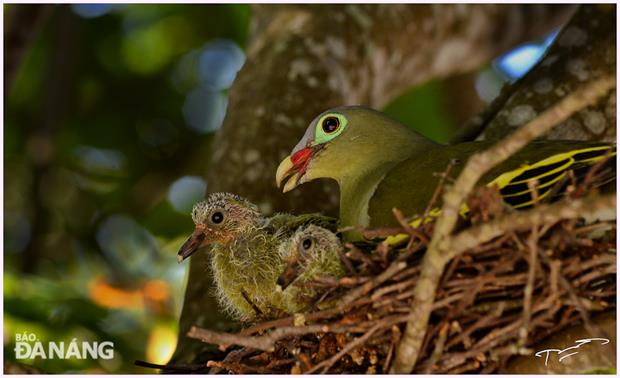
[[293, 168], [192, 244], [290, 273]]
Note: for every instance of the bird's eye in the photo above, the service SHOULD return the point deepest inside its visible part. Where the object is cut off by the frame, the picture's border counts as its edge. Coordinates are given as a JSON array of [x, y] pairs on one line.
[[330, 124], [306, 244], [217, 217]]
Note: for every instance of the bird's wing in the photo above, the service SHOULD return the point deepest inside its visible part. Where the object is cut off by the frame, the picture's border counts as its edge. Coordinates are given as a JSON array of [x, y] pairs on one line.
[[550, 175]]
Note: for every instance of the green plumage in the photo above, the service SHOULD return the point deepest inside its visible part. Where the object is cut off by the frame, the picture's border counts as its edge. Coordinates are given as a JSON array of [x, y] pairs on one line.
[[380, 164]]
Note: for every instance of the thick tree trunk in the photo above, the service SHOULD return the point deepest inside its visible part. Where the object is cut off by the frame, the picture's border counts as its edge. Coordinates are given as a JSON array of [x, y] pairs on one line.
[[305, 59]]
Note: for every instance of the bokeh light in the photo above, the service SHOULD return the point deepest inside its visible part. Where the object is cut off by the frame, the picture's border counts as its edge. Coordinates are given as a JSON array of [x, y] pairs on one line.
[[128, 244], [161, 344], [100, 159], [518, 61], [219, 63], [511, 66], [185, 192], [204, 110], [93, 10]]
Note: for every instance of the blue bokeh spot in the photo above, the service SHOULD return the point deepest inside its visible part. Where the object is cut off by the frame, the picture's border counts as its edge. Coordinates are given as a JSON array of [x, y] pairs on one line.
[[92, 10], [219, 63], [517, 62]]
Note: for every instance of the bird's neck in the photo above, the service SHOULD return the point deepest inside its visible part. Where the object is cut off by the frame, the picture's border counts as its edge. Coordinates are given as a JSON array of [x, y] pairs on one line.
[[357, 192], [357, 188]]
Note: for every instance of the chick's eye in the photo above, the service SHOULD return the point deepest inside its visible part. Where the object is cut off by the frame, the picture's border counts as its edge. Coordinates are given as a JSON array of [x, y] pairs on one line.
[[330, 124], [217, 217], [306, 244]]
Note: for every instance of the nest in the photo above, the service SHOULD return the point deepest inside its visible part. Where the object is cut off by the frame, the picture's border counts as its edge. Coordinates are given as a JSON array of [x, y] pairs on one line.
[[495, 301]]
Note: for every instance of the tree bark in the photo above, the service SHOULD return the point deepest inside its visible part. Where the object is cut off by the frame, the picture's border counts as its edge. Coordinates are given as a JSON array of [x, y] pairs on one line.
[[304, 59], [583, 51]]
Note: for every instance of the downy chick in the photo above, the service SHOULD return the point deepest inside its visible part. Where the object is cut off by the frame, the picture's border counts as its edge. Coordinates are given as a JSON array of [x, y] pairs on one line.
[[311, 252]]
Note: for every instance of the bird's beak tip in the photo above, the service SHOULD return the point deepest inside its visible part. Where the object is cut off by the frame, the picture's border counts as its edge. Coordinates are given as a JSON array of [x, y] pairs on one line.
[[291, 184], [191, 245], [283, 171]]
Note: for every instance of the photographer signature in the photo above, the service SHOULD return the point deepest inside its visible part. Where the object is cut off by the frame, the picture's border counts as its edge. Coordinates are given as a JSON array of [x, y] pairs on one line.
[[578, 343]]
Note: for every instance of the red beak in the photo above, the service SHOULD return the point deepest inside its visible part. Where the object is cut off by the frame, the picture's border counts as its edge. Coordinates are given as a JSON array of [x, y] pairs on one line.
[[293, 167]]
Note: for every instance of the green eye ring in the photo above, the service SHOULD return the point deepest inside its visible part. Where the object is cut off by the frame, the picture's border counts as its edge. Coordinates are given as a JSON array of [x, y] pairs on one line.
[[328, 127]]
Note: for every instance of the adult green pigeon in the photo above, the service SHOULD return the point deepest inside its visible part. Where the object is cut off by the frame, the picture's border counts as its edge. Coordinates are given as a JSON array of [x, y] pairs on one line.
[[380, 164], [245, 259], [311, 252]]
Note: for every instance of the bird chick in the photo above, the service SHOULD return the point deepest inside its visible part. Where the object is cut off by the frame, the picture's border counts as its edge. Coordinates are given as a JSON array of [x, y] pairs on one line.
[[244, 254], [311, 252]]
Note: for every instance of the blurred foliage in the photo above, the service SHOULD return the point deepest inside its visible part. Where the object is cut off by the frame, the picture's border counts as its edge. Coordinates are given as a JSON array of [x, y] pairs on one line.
[[424, 109], [106, 138], [101, 168]]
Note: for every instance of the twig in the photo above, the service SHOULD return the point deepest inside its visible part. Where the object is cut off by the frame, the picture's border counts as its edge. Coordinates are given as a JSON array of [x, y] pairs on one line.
[[265, 342], [175, 368], [482, 322], [288, 321], [398, 214], [529, 287], [395, 337], [345, 260], [245, 296], [382, 232], [357, 254], [368, 286], [232, 356], [395, 287], [479, 164], [439, 345], [591, 174], [439, 189]]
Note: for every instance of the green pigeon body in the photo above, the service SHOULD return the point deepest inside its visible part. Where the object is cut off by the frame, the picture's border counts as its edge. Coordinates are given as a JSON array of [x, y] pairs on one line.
[[311, 252], [245, 258], [380, 164]]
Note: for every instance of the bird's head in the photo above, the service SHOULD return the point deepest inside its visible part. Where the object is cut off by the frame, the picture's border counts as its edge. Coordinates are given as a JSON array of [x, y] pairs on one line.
[[340, 143], [220, 219], [308, 251]]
